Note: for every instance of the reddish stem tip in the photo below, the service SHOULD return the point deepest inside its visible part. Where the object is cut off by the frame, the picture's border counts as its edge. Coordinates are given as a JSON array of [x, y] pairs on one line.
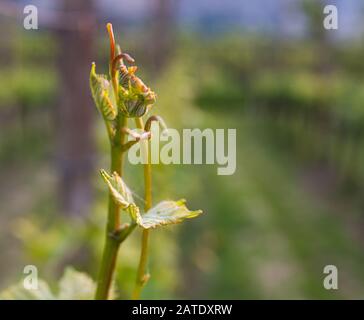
[[112, 40]]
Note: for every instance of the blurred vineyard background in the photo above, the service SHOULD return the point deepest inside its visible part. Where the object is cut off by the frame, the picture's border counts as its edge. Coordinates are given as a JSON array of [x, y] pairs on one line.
[[295, 95]]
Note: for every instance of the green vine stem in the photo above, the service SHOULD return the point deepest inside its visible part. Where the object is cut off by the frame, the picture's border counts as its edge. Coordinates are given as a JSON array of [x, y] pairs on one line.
[[128, 97], [112, 242], [142, 276]]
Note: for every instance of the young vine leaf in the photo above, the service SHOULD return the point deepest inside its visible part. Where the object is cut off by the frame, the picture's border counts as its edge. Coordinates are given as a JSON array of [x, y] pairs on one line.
[[118, 189], [165, 213], [120, 193], [100, 89]]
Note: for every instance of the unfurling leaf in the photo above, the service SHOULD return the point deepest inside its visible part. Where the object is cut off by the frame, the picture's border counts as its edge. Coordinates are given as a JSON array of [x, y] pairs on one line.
[[134, 97], [164, 213], [125, 75], [118, 189], [100, 89], [121, 193]]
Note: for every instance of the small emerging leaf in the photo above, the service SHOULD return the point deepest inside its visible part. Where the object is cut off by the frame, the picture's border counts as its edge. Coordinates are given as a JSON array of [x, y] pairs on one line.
[[100, 88], [165, 213], [121, 193], [134, 97]]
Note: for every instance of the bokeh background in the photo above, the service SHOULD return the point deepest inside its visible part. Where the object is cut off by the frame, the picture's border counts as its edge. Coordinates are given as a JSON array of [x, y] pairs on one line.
[[293, 90]]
